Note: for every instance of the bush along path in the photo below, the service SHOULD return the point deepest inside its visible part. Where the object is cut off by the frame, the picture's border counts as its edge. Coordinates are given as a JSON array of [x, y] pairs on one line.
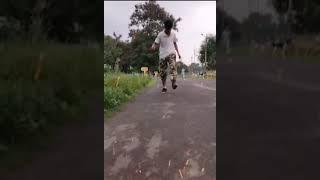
[[120, 88], [42, 88]]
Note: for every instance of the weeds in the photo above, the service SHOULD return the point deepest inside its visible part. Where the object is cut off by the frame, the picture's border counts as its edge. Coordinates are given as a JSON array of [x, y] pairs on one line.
[[119, 88], [35, 96]]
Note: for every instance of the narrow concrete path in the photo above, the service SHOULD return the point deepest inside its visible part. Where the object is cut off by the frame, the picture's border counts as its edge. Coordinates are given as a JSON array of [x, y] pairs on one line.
[[164, 136]]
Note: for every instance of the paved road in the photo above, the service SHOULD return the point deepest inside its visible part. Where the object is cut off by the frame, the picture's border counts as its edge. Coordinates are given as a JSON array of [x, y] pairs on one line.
[[268, 119], [157, 135]]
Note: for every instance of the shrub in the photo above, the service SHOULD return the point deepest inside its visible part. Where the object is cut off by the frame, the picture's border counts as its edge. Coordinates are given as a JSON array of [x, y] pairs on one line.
[[29, 106], [119, 88]]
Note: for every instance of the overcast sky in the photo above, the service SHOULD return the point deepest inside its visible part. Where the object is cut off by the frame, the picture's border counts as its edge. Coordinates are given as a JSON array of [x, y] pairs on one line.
[[197, 17], [241, 9]]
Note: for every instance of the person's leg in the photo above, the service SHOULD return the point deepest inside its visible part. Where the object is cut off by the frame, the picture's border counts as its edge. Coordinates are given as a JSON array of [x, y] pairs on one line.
[[173, 70], [163, 71]]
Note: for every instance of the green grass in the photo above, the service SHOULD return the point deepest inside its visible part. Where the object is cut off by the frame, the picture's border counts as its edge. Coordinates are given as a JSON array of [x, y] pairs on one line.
[[120, 88], [32, 108]]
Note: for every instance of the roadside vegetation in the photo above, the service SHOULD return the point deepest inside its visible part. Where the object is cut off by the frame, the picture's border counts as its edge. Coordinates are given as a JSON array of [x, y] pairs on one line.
[[120, 88], [50, 67]]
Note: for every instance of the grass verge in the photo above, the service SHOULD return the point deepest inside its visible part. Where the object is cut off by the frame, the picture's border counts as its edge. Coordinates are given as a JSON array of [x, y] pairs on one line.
[[42, 87], [120, 88]]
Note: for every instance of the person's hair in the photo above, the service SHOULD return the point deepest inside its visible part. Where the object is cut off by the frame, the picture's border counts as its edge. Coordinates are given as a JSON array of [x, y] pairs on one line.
[[168, 24]]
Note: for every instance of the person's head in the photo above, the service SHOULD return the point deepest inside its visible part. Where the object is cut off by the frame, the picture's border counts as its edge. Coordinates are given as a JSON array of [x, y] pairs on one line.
[[168, 24]]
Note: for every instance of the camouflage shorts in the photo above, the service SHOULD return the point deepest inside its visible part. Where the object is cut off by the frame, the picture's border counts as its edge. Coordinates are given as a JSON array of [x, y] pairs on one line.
[[163, 66]]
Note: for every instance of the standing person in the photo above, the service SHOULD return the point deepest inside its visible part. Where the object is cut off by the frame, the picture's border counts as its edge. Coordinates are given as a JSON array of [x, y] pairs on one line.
[[167, 54], [183, 73]]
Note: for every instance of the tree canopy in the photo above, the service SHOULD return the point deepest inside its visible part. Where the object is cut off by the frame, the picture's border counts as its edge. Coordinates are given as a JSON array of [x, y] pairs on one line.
[[195, 68], [181, 65], [145, 23], [305, 14], [224, 19], [258, 27], [210, 44], [66, 21]]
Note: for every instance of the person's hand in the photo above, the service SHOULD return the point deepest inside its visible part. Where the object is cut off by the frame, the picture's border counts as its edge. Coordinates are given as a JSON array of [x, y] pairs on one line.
[[153, 48]]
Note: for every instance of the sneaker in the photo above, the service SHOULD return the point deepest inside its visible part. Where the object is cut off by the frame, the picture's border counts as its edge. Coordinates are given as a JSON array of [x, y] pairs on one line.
[[174, 85], [164, 90]]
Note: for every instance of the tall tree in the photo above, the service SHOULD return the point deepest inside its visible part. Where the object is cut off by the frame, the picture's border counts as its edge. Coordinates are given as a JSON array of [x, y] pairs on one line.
[[195, 68], [258, 26], [210, 44], [181, 65], [305, 15], [145, 23], [56, 20], [112, 50], [148, 18], [224, 19]]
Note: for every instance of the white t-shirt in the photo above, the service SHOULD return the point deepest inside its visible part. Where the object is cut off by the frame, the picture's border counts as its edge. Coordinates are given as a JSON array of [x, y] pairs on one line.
[[166, 43]]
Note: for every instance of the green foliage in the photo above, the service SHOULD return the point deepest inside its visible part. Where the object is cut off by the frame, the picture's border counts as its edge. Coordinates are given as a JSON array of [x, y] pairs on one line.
[[29, 107], [281, 6], [119, 88], [210, 44], [55, 19], [224, 19], [148, 18], [145, 24], [141, 55], [181, 65], [195, 67], [305, 17], [111, 50], [258, 27]]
